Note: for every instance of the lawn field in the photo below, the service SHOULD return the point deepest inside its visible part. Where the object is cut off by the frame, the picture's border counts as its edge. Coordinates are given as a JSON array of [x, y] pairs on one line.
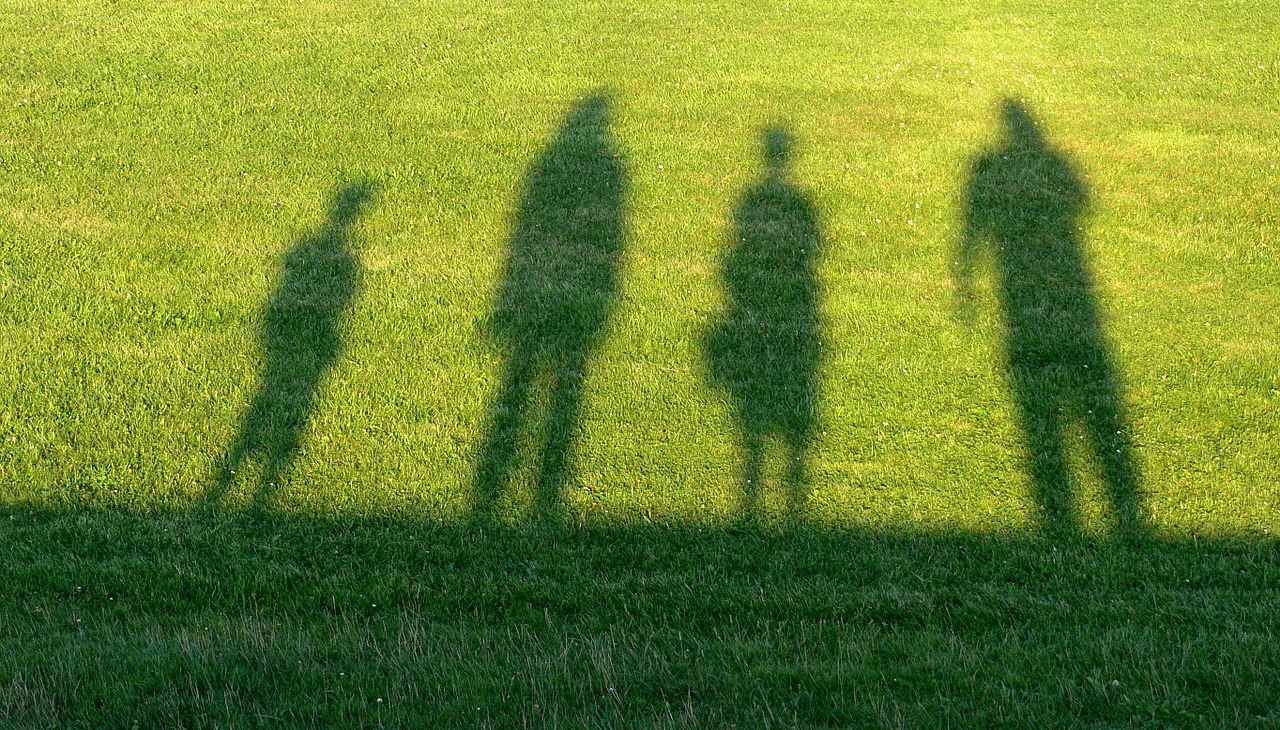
[[795, 364]]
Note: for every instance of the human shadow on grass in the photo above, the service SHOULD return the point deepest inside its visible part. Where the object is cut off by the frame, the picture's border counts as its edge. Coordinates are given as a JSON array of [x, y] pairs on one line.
[[1024, 203], [559, 285], [765, 349], [301, 338]]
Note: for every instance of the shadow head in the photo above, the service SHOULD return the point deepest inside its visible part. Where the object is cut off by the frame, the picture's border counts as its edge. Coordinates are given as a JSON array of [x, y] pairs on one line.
[[778, 145], [1020, 127], [588, 121], [350, 201]]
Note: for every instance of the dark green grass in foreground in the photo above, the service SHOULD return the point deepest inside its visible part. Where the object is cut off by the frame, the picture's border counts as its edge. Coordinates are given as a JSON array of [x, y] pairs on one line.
[[207, 622], [662, 365]]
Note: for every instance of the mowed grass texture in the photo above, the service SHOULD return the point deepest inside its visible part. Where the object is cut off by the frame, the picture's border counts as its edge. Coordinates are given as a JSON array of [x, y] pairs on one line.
[[802, 364]]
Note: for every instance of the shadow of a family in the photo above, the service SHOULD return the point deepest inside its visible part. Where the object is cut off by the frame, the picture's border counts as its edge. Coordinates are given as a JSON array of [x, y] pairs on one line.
[[560, 283]]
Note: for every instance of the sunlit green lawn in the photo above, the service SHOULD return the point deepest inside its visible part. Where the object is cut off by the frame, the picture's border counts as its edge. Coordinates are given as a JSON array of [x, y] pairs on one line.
[[652, 364]]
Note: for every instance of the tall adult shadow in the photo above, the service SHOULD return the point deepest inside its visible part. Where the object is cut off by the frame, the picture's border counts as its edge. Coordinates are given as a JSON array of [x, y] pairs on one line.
[[766, 348], [1023, 207], [301, 338], [559, 285]]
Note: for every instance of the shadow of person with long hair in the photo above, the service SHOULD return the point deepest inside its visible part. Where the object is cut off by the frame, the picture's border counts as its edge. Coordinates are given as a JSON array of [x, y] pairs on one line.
[[301, 338], [765, 350], [559, 285], [1023, 206]]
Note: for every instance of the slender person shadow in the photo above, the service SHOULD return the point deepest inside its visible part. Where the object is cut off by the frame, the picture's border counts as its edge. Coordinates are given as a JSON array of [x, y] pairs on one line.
[[1023, 206], [559, 285], [765, 350], [301, 338]]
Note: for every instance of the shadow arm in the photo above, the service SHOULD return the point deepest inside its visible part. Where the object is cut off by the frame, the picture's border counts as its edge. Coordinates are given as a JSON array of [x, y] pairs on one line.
[[964, 263]]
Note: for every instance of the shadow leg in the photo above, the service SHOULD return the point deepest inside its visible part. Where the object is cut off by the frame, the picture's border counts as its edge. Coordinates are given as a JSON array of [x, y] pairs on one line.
[[752, 471], [1042, 424], [1114, 452], [232, 461], [277, 466], [797, 478], [558, 457], [505, 417]]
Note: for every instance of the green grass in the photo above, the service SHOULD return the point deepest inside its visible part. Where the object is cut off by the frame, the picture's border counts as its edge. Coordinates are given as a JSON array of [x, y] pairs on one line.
[[493, 316], [187, 621]]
